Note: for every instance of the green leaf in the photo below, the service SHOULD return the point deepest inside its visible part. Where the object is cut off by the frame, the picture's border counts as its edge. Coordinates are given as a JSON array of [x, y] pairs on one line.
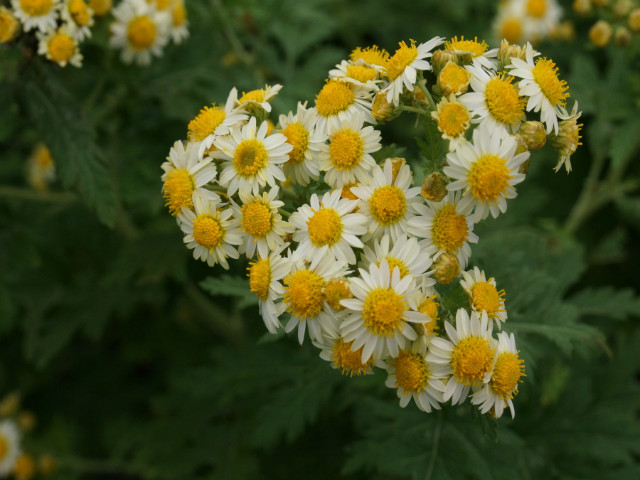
[[566, 336], [625, 142], [230, 285], [607, 302]]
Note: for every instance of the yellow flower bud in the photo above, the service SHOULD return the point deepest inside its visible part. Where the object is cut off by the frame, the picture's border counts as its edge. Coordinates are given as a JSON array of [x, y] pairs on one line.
[[25, 467], [622, 36], [507, 51], [382, 110], [434, 187], [441, 58], [582, 7], [27, 421], [533, 135], [47, 464], [9, 25], [10, 404], [634, 20], [447, 268], [600, 33]]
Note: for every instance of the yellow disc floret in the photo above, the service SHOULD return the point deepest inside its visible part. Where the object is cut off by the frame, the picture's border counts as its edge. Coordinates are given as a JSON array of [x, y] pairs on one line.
[[449, 229], [348, 361], [250, 157], [361, 73], [489, 178], [545, 73], [4, 447], [383, 312], [335, 97], [537, 8], [371, 55], [178, 190], [401, 59], [412, 372], [79, 11], [346, 149], [506, 375], [471, 359], [101, 7], [298, 137], [260, 278], [252, 96], [473, 47], [336, 290], [453, 119], [502, 100], [453, 79], [141, 32], [388, 204], [397, 263], [486, 297], [36, 8], [178, 13], [325, 227], [9, 25], [206, 122], [256, 219], [430, 308], [511, 30], [25, 467], [61, 48], [207, 231], [303, 293]]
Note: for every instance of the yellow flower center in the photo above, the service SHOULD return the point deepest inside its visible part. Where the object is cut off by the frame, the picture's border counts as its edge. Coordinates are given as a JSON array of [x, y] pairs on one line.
[[43, 157], [370, 55], [303, 293], [511, 30], [260, 278], [388, 205], [486, 297], [325, 227], [537, 8], [8, 25], [25, 467], [61, 47], [473, 47], [141, 32], [336, 290], [502, 100], [178, 13], [252, 96], [506, 375], [489, 178], [396, 262], [349, 362], [471, 359], [36, 8], [79, 11], [453, 78], [347, 193], [4, 447], [207, 231], [101, 7], [545, 73], [449, 229], [250, 157], [298, 137], [361, 73], [383, 312], [346, 149], [256, 219], [178, 190], [401, 59], [412, 372], [206, 122], [161, 4], [453, 119], [335, 97], [430, 308]]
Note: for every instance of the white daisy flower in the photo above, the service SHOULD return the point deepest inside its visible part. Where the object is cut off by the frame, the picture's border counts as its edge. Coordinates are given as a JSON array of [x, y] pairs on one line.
[[326, 229], [546, 93], [362, 75], [60, 46], [410, 256], [78, 16], [338, 101], [338, 352], [486, 171], [473, 49], [256, 100], [262, 227], [468, 355], [509, 23], [484, 296], [210, 231], [214, 121], [508, 370], [178, 29], [379, 317], [184, 174], [388, 202], [446, 226], [453, 120], [540, 17], [299, 128], [38, 14], [139, 30], [495, 99], [401, 69], [9, 446], [416, 378], [304, 297], [252, 158], [265, 275]]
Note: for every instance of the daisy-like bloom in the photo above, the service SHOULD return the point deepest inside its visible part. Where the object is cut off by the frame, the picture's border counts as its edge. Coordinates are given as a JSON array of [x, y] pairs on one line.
[[251, 158], [38, 14], [567, 140], [304, 297], [547, 93], [453, 79], [414, 377], [347, 157], [41, 169], [184, 174], [179, 23], [265, 275], [257, 100], [9, 25], [503, 386], [446, 226], [486, 170], [140, 30], [401, 69], [60, 46], [338, 352], [360, 74], [78, 16], [9, 446], [388, 203], [210, 231], [326, 229], [410, 256], [306, 141], [509, 23], [262, 226], [371, 56], [338, 101], [468, 355], [452, 119], [495, 99], [379, 317], [540, 16], [484, 296], [469, 50]]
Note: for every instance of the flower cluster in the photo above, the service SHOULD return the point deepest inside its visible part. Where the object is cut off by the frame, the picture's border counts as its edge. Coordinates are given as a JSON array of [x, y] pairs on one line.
[[141, 28], [617, 21], [520, 21], [342, 247]]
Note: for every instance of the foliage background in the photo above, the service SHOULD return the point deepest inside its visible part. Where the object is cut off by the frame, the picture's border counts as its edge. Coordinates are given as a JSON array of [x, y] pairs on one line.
[[141, 363]]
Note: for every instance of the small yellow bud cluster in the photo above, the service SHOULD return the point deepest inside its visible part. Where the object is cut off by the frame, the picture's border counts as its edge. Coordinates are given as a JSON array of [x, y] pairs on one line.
[[617, 21]]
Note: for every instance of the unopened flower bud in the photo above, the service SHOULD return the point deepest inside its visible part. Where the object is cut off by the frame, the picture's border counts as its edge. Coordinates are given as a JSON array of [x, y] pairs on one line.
[[24, 468], [622, 7], [600, 33], [27, 421], [564, 31], [533, 135], [622, 36], [10, 404], [447, 268], [47, 464], [582, 7], [441, 58], [453, 79], [600, 3], [634, 20], [434, 187], [9, 25], [507, 51], [382, 110]]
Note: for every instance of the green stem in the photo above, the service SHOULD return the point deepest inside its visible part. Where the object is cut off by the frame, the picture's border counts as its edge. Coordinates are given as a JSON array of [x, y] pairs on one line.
[[436, 443], [590, 198], [36, 196], [427, 95], [419, 111]]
